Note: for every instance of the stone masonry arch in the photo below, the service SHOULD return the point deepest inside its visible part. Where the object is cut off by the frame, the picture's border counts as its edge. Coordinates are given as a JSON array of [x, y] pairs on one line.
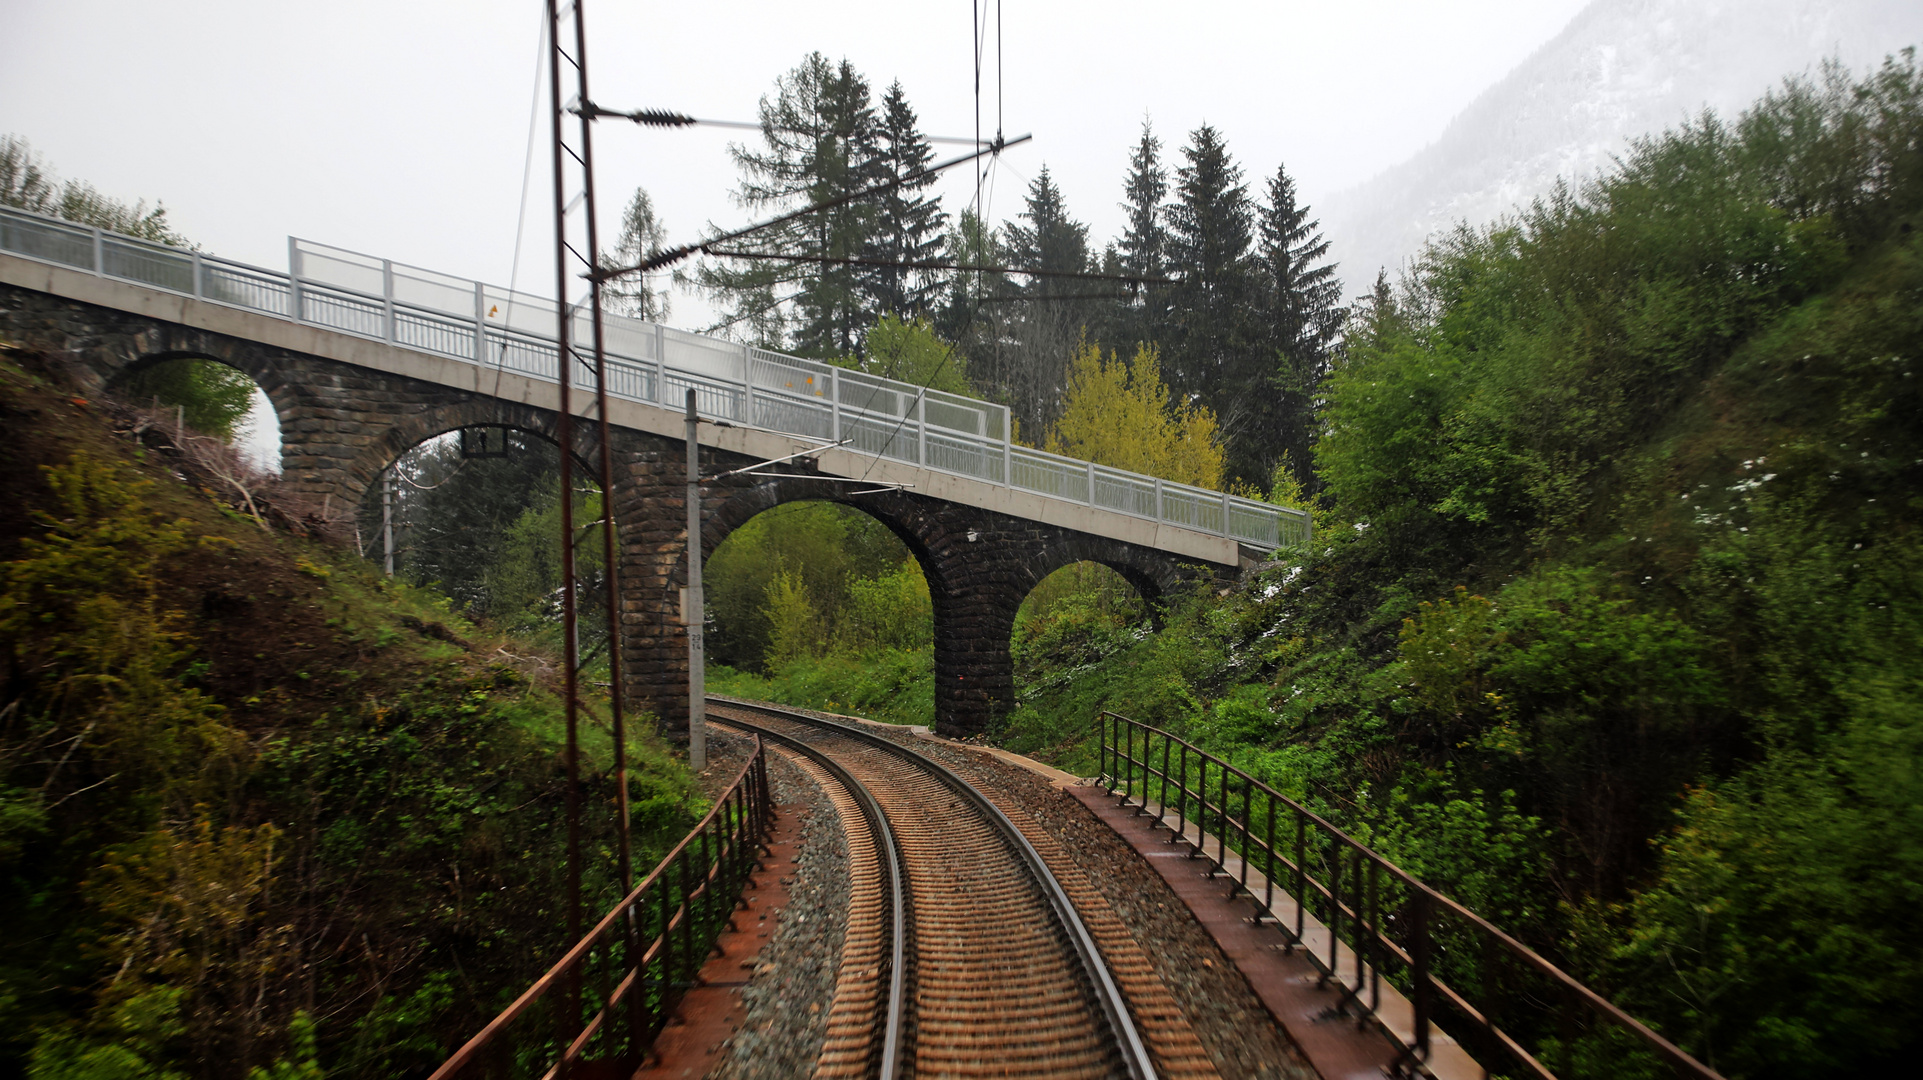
[[411, 430], [342, 422], [980, 566]]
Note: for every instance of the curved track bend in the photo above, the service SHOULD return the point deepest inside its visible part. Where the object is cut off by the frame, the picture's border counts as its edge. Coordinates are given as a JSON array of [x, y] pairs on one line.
[[997, 976]]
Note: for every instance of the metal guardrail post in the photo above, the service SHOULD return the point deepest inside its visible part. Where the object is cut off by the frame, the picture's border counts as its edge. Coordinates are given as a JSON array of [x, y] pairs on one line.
[[1225, 516], [1161, 802], [921, 428], [1420, 990], [1091, 483], [480, 324], [1101, 771], [198, 292], [834, 404], [1158, 499], [294, 304], [660, 364], [99, 254], [389, 330]]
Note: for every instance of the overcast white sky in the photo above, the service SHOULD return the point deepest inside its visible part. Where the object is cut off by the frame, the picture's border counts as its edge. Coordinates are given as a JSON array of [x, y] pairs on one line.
[[400, 128]]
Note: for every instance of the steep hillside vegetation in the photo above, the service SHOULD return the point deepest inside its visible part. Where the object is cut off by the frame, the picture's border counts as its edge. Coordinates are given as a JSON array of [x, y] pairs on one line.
[[1615, 622], [257, 804]]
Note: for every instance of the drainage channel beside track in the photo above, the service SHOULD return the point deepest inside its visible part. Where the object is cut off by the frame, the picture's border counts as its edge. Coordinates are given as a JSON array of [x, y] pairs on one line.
[[992, 971]]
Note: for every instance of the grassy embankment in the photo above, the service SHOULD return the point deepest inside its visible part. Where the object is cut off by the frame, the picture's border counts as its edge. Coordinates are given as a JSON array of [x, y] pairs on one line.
[[258, 804]]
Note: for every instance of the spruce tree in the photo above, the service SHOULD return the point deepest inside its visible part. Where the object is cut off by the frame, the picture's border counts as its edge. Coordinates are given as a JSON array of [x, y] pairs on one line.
[[910, 219], [1039, 330], [962, 318], [1051, 240], [1143, 250], [1302, 316], [1209, 358]]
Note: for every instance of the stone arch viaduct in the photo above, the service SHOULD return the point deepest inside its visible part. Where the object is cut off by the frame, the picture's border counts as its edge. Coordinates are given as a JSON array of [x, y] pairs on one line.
[[349, 406]]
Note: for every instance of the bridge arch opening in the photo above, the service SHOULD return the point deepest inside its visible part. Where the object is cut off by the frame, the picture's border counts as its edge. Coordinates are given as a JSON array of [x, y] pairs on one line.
[[210, 397], [475, 513], [824, 605], [1076, 614]]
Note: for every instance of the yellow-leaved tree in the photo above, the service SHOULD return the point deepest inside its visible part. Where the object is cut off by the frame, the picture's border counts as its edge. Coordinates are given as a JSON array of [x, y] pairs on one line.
[[1118, 413]]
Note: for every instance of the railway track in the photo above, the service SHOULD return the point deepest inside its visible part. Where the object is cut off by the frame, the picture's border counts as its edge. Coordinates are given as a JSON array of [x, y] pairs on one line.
[[965, 956]]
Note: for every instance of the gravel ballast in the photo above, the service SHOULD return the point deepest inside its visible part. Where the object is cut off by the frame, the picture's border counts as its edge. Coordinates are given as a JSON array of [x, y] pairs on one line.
[[793, 983]]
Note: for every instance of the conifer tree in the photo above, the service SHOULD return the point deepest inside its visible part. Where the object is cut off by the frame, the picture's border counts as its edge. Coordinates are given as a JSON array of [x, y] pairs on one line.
[[1051, 240], [642, 235], [1143, 249], [1210, 229], [1037, 333], [821, 139], [910, 218], [1301, 314]]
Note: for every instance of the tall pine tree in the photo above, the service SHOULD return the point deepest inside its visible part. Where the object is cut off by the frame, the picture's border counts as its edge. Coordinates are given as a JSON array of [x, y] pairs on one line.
[[821, 137], [910, 220], [1302, 316], [1209, 356]]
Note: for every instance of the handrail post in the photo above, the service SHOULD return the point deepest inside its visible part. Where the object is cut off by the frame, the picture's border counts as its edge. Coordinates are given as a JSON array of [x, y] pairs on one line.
[[834, 404], [660, 364], [1008, 449], [1301, 874], [1162, 804], [1419, 978], [294, 304], [1376, 951], [1248, 821], [1222, 835], [1159, 516], [99, 254], [689, 963], [1268, 893], [387, 299], [199, 293], [1182, 798], [1335, 917], [1225, 515], [1108, 778], [921, 428], [480, 323], [1091, 483]]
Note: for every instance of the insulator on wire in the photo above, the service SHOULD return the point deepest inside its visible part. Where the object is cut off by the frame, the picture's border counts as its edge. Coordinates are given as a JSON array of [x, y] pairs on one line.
[[660, 118]]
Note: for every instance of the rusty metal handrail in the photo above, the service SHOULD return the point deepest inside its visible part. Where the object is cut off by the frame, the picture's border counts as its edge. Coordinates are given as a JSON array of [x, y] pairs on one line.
[[694, 889], [1354, 910]]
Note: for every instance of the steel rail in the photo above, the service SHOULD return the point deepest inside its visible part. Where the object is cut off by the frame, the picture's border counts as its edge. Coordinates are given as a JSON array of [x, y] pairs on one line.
[[895, 862], [1128, 1040]]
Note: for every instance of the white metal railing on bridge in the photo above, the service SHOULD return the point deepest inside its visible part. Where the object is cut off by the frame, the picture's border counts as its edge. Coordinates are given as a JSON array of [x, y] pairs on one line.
[[497, 328]]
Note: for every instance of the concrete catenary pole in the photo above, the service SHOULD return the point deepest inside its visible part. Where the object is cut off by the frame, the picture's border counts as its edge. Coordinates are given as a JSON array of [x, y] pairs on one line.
[[694, 611], [387, 521]]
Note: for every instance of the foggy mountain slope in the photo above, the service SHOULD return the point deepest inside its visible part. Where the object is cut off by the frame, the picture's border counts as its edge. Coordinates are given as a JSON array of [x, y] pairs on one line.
[[1620, 69]]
